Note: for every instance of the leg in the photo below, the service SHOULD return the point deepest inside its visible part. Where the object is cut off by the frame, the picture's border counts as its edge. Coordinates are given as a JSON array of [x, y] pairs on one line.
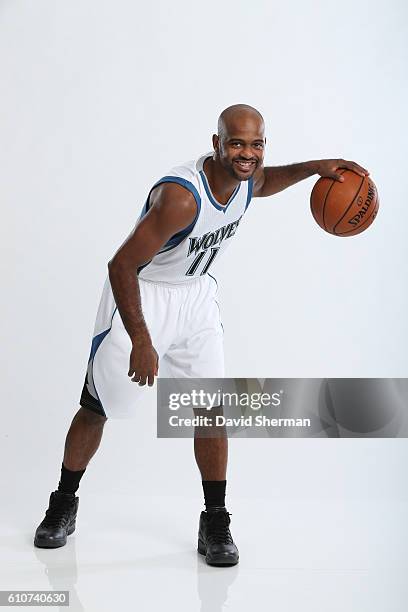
[[211, 455], [83, 439], [199, 355], [211, 450], [214, 536]]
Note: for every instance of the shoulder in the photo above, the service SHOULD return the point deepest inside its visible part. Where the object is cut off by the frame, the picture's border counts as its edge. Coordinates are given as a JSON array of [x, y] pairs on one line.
[[258, 182], [172, 200]]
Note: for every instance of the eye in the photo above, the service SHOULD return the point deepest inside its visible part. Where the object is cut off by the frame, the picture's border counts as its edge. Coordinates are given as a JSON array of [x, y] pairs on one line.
[[259, 145], [235, 144]]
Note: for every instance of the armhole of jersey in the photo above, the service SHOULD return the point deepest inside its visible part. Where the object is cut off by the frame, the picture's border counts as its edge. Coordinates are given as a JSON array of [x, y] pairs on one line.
[[182, 234], [249, 193]]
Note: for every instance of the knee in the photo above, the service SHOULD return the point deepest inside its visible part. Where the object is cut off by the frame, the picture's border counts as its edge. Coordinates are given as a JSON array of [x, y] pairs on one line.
[[91, 417], [211, 428]]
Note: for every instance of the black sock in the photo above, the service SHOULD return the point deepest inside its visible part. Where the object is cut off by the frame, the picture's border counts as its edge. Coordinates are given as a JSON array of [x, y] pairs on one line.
[[214, 493], [69, 482]]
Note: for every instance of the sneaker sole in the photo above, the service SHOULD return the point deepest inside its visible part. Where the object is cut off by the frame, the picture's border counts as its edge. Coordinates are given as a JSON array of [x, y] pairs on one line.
[[44, 543], [220, 562]]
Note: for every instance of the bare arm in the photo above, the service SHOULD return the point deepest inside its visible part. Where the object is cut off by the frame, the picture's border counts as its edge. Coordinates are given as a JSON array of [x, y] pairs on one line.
[[273, 179], [172, 208]]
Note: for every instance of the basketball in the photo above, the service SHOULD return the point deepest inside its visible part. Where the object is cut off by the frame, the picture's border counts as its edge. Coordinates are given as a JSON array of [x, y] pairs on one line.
[[345, 208]]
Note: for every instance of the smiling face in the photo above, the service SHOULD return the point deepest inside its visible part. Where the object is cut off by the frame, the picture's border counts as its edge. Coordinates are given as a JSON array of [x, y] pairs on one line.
[[239, 146]]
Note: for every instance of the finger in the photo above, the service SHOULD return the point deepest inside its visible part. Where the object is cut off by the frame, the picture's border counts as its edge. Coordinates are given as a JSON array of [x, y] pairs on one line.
[[337, 177], [136, 377], [355, 168], [358, 169], [142, 380], [150, 379], [362, 171]]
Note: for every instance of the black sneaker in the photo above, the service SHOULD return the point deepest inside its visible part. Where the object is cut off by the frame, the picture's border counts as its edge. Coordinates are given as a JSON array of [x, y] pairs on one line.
[[59, 521], [214, 538]]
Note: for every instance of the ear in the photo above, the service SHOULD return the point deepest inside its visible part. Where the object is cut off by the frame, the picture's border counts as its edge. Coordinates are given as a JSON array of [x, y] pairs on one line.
[[215, 141]]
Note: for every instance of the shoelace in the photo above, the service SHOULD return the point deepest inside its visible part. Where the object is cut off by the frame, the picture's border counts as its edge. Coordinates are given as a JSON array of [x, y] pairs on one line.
[[57, 513], [218, 528]]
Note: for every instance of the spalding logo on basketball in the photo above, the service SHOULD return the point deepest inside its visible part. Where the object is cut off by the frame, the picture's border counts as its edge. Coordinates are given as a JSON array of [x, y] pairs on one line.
[[345, 208]]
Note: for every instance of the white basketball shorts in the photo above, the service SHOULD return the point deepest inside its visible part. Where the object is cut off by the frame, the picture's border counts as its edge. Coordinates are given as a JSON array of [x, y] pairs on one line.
[[186, 330]]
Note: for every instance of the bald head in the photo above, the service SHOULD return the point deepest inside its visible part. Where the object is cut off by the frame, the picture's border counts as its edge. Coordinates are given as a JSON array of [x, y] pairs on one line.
[[237, 117], [240, 142]]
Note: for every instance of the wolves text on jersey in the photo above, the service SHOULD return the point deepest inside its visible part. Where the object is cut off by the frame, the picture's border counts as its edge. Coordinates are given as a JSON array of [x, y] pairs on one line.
[[210, 240]]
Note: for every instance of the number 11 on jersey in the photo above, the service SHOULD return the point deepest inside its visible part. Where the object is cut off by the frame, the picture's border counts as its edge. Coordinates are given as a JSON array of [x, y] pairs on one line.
[[194, 266]]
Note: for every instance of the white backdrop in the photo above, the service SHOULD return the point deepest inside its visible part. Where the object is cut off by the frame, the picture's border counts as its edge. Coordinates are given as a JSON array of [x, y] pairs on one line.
[[101, 98]]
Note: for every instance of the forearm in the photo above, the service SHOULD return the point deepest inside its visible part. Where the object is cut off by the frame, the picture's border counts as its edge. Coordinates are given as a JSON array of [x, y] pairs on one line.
[[125, 288], [278, 178]]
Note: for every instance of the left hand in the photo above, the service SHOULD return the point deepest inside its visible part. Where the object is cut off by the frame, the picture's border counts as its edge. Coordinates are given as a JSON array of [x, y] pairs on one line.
[[328, 167]]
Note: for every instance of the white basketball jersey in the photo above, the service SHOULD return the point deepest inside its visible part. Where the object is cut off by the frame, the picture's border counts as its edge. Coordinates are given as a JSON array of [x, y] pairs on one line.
[[191, 252]]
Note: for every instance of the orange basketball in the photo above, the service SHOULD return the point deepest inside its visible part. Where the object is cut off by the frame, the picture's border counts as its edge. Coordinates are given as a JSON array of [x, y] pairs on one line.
[[345, 208]]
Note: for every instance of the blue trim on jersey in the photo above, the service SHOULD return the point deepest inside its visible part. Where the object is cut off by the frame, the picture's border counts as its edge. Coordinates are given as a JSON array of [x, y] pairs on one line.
[[184, 183], [182, 234], [96, 343], [211, 197], [179, 237], [140, 268], [250, 189]]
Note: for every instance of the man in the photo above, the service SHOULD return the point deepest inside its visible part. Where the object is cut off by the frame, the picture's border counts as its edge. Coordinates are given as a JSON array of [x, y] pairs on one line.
[[159, 311]]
